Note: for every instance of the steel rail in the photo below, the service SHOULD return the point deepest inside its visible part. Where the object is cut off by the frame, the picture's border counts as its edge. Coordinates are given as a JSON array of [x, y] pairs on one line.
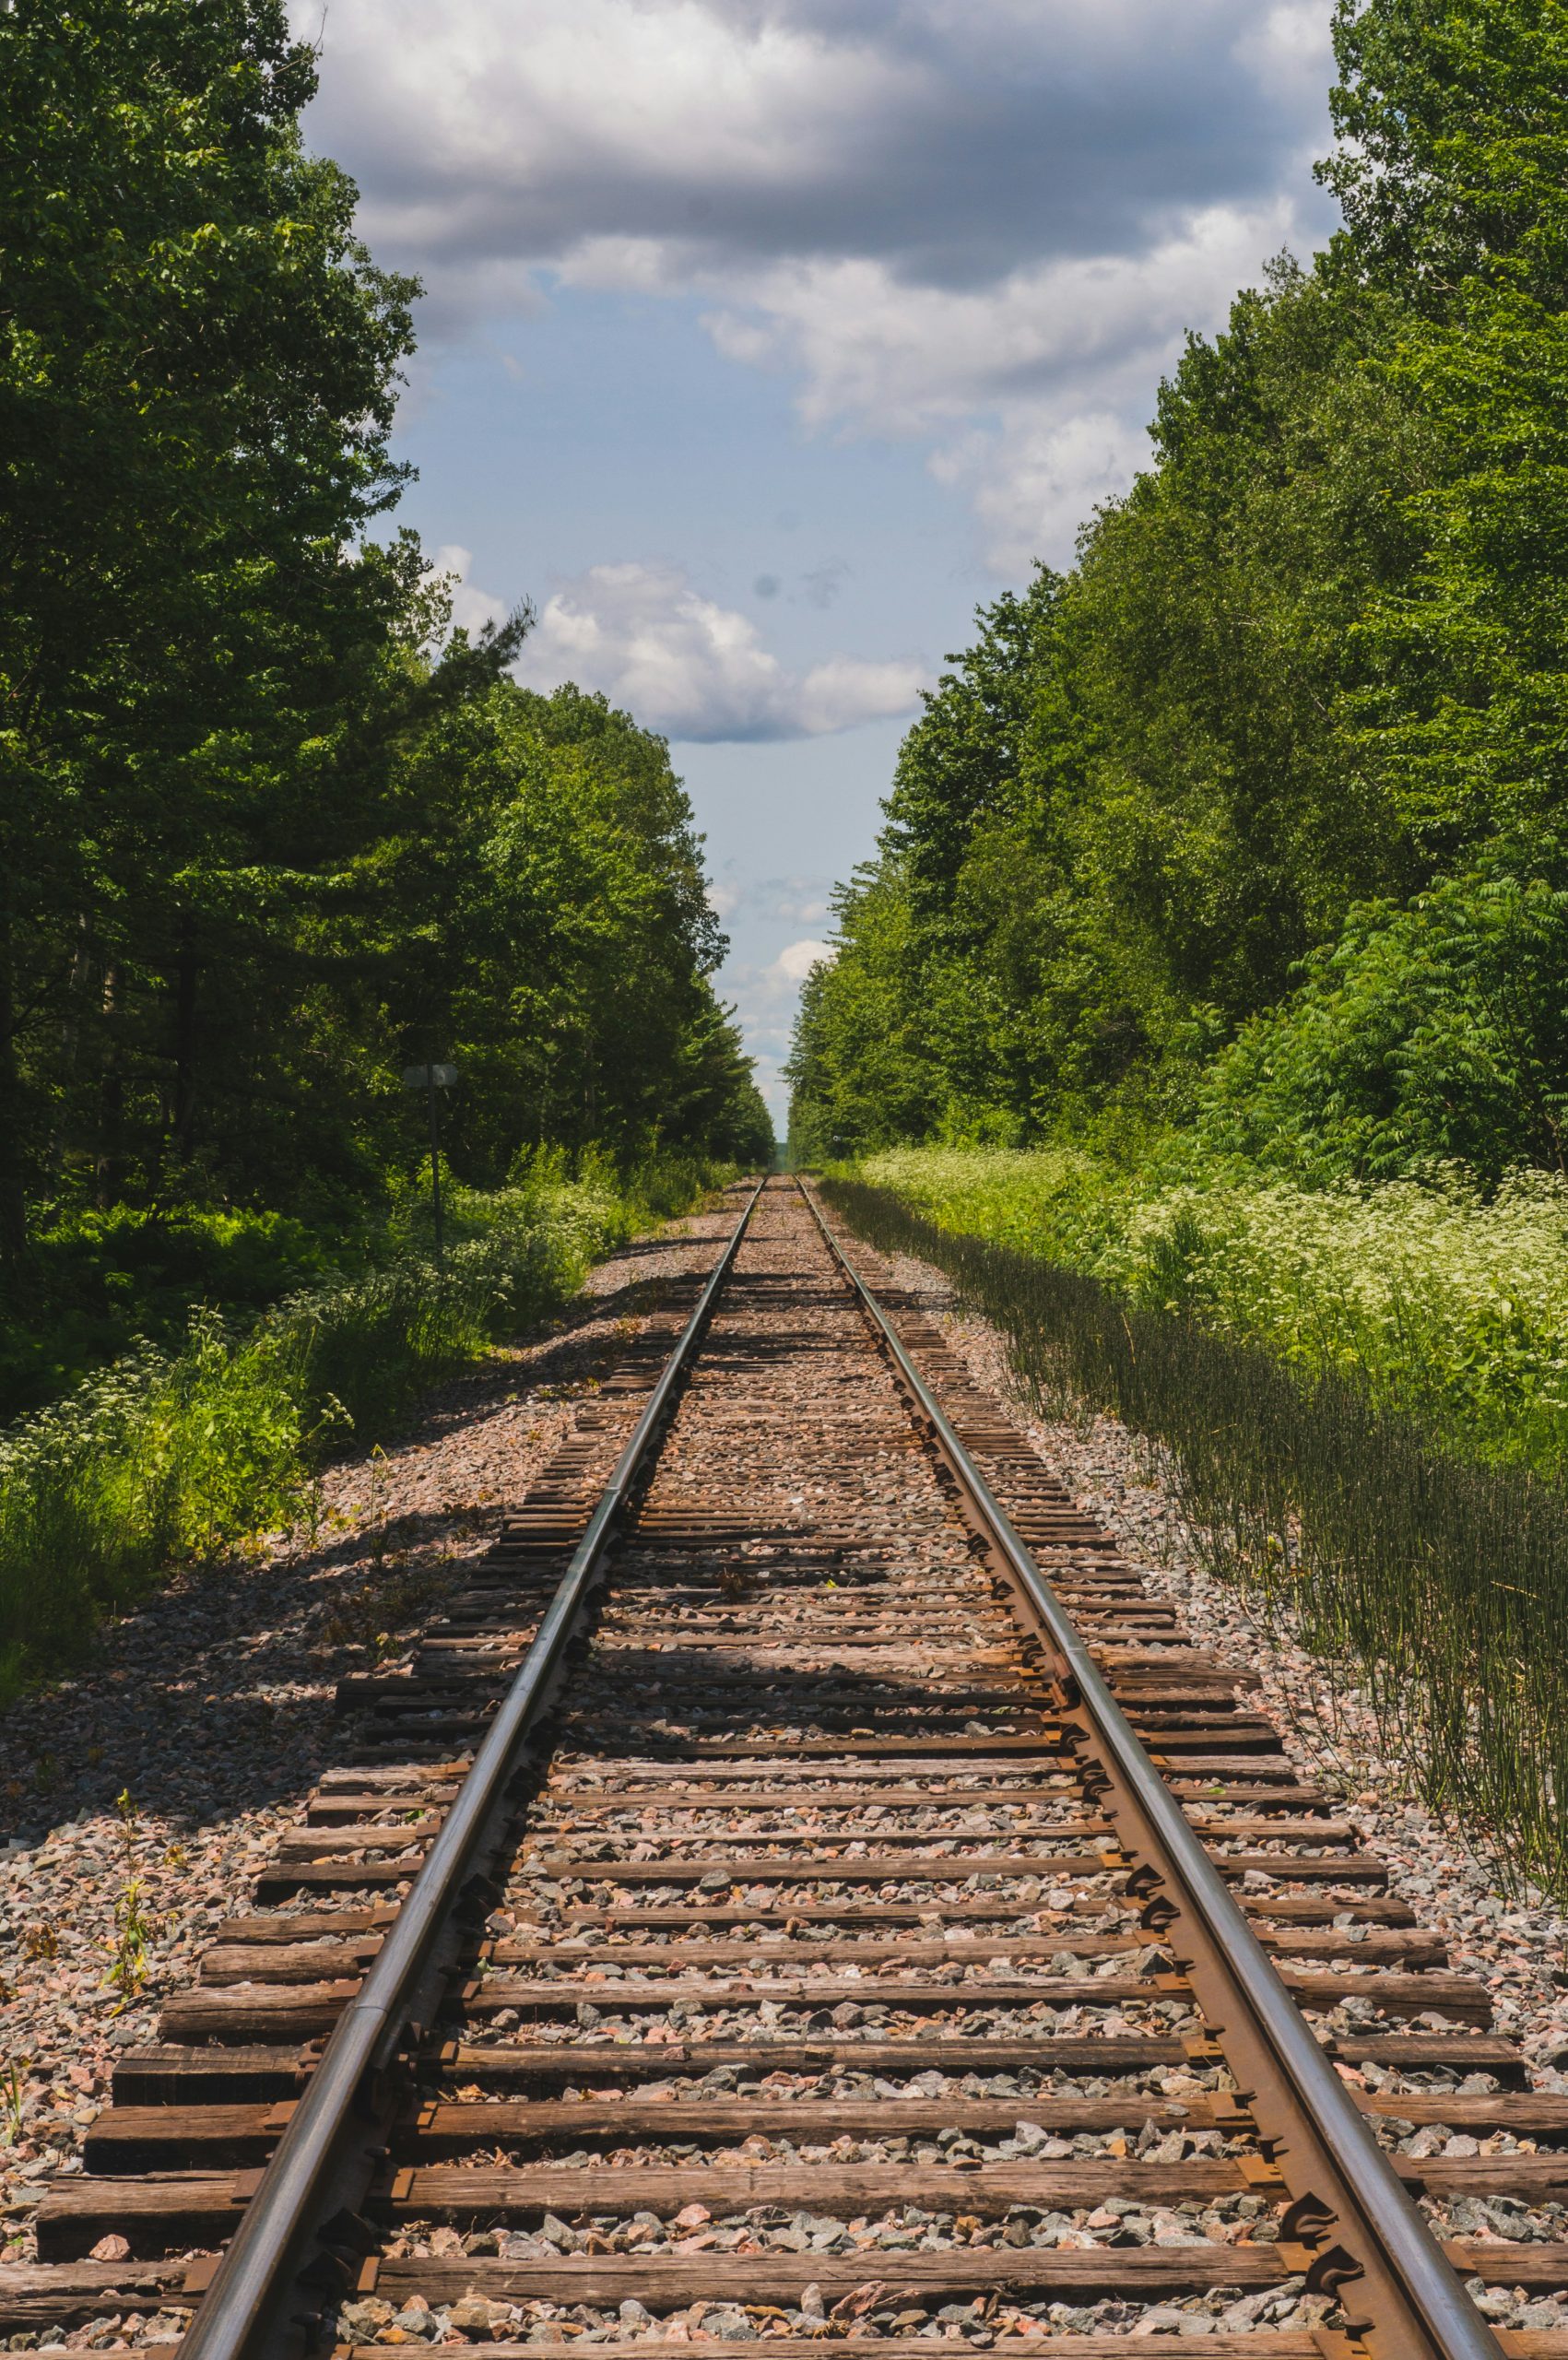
[[335, 2136], [1411, 2299]]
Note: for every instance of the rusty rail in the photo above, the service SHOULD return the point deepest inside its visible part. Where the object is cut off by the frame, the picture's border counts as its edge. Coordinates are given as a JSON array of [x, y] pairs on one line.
[[328, 2156], [1402, 2282]]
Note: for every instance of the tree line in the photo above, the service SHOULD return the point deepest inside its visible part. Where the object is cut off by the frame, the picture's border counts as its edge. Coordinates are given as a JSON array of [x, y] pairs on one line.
[[270, 827], [1253, 820]]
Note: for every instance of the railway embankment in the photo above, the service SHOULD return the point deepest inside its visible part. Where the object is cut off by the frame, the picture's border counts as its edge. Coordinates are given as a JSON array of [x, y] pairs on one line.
[[1515, 1938], [176, 1758], [902, 1920]]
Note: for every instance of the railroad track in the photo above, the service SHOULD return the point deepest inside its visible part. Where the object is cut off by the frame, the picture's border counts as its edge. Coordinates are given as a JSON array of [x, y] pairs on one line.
[[756, 1910]]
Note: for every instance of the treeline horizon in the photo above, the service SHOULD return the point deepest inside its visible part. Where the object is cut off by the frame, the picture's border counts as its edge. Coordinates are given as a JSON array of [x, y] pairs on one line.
[[1250, 826], [272, 828]]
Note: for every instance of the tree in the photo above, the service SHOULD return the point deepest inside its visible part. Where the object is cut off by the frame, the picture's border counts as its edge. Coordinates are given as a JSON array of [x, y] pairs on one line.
[[543, 917], [1298, 717], [197, 647], [1451, 123]]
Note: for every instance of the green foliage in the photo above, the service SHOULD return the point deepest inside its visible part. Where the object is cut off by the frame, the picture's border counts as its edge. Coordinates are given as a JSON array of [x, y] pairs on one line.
[[1426, 1036], [1436, 1306], [98, 1278], [269, 829], [1440, 1587], [543, 922], [174, 1456], [1450, 121], [1276, 772], [198, 372]]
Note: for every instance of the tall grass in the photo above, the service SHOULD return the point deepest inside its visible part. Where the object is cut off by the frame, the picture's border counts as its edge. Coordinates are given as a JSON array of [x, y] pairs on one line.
[[1451, 1309], [1438, 1584], [168, 1456]]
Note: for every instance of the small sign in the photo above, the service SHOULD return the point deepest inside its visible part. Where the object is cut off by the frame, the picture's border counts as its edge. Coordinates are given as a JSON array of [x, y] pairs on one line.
[[429, 1077]]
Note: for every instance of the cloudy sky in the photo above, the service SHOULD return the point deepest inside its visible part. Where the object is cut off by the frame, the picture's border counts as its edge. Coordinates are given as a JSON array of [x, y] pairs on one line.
[[762, 339]]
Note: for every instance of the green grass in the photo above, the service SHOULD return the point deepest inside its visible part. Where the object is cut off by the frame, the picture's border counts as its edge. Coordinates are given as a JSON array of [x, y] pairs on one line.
[[1446, 1308], [97, 1281], [168, 1456], [1432, 1579], [96, 1284]]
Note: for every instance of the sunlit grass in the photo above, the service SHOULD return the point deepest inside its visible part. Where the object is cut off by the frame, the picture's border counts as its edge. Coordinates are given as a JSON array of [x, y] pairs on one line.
[[1434, 1582], [1448, 1308], [164, 1458]]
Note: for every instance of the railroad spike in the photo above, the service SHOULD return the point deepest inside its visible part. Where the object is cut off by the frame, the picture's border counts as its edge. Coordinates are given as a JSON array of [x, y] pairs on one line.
[[1332, 2268], [1305, 2218]]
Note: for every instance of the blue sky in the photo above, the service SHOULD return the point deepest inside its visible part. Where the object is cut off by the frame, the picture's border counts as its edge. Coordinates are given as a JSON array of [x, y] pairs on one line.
[[763, 339]]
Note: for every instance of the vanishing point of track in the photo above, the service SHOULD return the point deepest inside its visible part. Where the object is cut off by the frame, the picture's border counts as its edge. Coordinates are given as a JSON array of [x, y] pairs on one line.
[[757, 1910]]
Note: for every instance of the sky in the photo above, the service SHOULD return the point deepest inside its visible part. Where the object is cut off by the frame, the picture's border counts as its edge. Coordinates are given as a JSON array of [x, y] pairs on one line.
[[763, 340]]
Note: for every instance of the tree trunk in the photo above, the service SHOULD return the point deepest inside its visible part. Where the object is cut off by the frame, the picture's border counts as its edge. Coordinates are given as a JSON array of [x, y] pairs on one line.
[[187, 969], [111, 1097], [13, 1186]]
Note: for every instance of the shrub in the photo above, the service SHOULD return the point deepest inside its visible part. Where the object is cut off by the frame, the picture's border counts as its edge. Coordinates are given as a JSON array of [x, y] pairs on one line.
[[166, 1456], [96, 1280], [1432, 1034]]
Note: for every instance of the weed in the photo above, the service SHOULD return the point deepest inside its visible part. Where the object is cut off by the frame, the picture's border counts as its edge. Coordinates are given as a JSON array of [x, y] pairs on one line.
[[168, 1456], [373, 1616], [133, 1932], [40, 1941], [314, 1514], [375, 1508], [125, 1811], [1443, 1306], [13, 2092]]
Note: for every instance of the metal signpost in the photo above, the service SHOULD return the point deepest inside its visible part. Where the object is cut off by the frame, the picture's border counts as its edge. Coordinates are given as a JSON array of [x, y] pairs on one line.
[[429, 1079]]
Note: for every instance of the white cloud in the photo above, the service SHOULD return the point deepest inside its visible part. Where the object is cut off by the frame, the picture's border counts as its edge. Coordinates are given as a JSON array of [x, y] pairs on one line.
[[804, 899], [1034, 480], [690, 669], [959, 136], [471, 609], [1032, 391], [796, 962], [980, 223], [766, 998], [797, 901], [726, 894], [1288, 48], [906, 359]]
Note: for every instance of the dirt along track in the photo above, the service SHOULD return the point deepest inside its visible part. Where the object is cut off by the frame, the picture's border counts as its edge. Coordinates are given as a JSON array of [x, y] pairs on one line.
[[826, 1992]]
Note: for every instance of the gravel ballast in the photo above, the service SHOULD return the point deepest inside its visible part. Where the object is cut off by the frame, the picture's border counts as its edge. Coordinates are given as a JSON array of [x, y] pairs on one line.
[[173, 1765], [1516, 1944], [188, 1742]]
